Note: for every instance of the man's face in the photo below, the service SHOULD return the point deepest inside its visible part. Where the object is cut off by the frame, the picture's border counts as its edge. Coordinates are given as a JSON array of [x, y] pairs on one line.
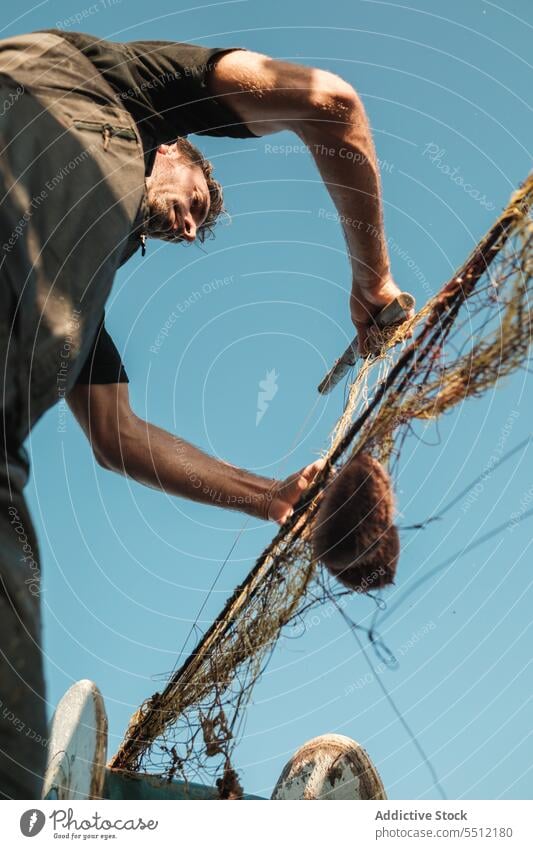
[[178, 197]]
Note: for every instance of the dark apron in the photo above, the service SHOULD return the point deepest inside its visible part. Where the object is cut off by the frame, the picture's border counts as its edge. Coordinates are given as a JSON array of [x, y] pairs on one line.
[[72, 190]]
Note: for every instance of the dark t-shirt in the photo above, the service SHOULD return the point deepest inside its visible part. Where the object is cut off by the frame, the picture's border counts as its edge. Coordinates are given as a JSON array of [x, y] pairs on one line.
[[164, 85]]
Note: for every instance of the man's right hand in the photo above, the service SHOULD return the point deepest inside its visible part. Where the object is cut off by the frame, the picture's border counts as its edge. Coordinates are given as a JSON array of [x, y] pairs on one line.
[[367, 302]]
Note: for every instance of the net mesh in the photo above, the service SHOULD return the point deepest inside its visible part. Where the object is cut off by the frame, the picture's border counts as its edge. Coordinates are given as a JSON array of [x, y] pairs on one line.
[[470, 335]]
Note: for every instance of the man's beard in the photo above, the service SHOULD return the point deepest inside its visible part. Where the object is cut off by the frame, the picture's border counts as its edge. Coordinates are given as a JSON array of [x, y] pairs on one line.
[[158, 222]]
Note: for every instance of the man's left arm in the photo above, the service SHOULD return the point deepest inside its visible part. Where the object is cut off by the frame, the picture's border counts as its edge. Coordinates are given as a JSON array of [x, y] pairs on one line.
[[328, 115]]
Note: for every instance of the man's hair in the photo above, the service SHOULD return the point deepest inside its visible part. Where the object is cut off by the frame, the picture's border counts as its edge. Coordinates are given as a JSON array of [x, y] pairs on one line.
[[193, 156]]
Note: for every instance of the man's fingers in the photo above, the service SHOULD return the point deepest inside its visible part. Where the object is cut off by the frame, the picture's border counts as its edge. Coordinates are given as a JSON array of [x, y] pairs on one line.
[[308, 473], [307, 476], [290, 490], [363, 338]]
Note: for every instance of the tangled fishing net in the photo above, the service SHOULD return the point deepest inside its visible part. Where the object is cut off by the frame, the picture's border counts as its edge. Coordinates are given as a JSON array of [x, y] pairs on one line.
[[470, 335]]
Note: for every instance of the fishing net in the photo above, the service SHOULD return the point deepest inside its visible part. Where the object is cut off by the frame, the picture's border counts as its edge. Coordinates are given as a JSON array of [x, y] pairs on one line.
[[471, 334]]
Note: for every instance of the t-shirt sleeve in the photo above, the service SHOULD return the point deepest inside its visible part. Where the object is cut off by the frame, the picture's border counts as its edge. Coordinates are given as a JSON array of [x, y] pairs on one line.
[[164, 85], [172, 77], [103, 363]]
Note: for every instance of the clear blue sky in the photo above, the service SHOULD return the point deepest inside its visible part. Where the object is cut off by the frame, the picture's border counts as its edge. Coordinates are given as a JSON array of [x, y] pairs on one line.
[[126, 569]]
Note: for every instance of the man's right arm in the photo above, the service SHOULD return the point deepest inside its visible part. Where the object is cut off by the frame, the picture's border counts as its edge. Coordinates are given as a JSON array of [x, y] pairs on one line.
[[327, 114]]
